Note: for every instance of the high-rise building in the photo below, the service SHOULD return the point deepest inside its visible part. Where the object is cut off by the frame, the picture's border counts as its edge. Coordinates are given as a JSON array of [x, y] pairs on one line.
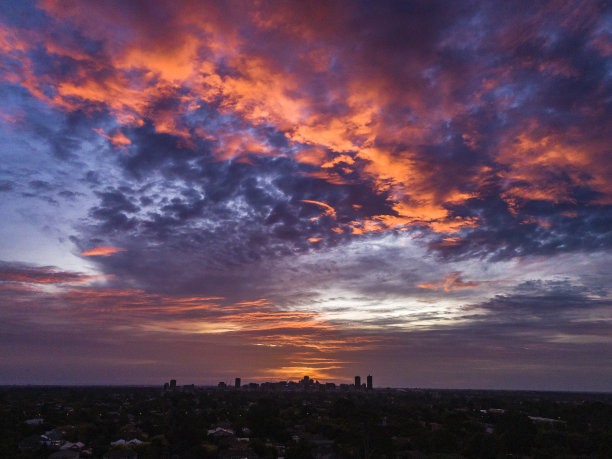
[[237, 383], [172, 384], [369, 387], [357, 382]]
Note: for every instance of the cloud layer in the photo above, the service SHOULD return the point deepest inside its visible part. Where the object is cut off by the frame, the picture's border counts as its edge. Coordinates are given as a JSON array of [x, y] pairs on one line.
[[324, 181]]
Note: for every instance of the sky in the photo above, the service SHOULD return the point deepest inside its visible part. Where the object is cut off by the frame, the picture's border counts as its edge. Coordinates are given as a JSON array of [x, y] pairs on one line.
[[416, 190]]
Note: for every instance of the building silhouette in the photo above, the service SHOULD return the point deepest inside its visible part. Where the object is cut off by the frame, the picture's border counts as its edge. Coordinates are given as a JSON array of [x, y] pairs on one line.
[[172, 384], [237, 383], [369, 387], [357, 382]]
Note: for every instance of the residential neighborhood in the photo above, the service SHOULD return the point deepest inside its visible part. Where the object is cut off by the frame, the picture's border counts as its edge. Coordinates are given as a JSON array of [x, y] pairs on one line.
[[282, 420]]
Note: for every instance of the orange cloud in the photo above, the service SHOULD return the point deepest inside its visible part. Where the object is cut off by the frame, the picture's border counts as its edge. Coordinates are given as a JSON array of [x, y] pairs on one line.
[[452, 282], [453, 241], [328, 210], [338, 160], [103, 251], [531, 154], [189, 315], [308, 343], [178, 58], [234, 144], [258, 89], [117, 138]]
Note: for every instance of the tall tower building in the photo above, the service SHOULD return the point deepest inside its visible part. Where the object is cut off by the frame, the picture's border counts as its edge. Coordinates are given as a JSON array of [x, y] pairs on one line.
[[370, 382], [237, 383], [172, 384], [357, 382]]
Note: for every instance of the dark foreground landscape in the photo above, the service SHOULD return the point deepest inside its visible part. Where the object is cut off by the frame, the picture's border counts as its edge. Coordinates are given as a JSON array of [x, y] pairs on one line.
[[298, 421]]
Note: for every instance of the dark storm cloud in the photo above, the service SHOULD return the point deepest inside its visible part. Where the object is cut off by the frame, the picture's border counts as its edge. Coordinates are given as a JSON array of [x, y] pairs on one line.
[[542, 227], [115, 211], [550, 300], [156, 151], [215, 213]]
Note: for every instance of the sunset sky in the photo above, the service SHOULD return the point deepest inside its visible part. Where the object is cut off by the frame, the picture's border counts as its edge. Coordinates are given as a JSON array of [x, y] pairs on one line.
[[417, 190]]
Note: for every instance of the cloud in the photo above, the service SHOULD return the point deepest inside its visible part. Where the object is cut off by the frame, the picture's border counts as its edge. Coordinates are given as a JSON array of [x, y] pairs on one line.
[[452, 282], [24, 273], [551, 300], [355, 120], [128, 314], [116, 138], [327, 209], [102, 250]]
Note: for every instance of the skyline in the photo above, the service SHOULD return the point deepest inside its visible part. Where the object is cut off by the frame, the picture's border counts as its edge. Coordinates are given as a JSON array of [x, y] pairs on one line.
[[205, 190]]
